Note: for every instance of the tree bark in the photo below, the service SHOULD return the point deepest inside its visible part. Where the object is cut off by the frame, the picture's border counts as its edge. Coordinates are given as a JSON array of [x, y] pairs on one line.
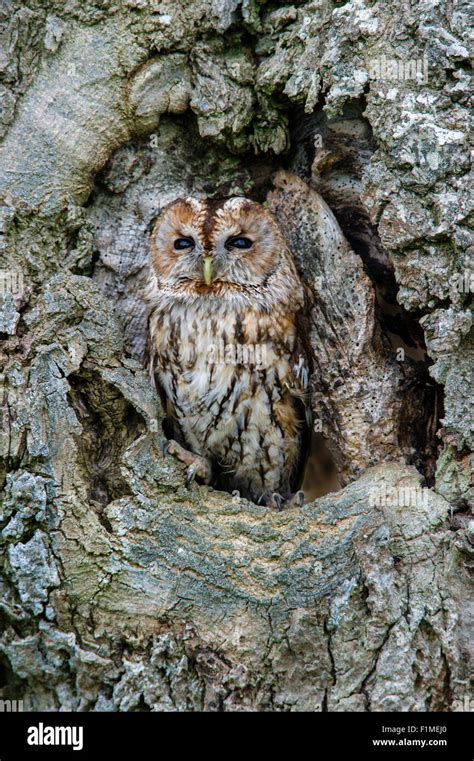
[[120, 588]]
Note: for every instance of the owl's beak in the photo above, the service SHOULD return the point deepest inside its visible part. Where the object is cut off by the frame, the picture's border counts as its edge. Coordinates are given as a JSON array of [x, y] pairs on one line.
[[207, 269]]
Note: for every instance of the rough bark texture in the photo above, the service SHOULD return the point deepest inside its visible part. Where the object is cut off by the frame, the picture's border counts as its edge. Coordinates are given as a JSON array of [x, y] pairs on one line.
[[120, 588]]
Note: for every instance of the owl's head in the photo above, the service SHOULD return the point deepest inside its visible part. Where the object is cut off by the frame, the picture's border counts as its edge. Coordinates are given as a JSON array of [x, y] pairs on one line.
[[214, 248]]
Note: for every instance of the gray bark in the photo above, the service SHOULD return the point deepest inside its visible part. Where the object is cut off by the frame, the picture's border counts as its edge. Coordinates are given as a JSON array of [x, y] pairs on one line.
[[120, 588]]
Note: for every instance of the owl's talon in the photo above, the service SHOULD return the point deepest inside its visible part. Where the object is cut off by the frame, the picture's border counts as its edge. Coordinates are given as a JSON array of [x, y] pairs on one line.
[[197, 465], [277, 501], [200, 468], [172, 447], [297, 500]]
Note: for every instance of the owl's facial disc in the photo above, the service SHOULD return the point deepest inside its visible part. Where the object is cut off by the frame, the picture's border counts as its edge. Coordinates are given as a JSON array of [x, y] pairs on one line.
[[209, 246]]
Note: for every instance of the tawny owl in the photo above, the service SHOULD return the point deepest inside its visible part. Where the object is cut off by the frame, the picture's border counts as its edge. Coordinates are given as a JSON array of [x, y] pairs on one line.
[[225, 349]]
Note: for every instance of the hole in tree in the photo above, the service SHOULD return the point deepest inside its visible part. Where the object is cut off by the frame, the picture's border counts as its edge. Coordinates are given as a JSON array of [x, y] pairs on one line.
[[140, 178]]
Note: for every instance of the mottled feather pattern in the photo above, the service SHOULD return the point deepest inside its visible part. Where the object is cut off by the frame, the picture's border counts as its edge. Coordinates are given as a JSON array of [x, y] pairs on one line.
[[225, 354]]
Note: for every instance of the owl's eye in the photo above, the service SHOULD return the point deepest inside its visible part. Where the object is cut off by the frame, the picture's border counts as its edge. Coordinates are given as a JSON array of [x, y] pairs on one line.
[[181, 244], [239, 242]]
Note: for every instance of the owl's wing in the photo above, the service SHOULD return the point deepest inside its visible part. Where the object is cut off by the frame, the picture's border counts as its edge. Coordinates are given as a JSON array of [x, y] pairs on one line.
[[171, 426], [299, 386], [300, 363], [150, 361]]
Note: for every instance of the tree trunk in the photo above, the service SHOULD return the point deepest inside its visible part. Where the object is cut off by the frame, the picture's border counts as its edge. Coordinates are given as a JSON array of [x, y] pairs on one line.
[[121, 588]]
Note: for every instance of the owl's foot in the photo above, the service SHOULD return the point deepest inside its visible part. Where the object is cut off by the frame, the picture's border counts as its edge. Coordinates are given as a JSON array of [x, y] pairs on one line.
[[279, 503], [197, 465]]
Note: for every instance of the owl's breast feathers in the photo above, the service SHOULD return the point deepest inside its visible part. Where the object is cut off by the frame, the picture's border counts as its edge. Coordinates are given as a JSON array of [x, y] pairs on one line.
[[236, 384]]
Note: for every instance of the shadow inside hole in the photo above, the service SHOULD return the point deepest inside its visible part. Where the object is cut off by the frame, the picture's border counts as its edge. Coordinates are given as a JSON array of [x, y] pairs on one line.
[[332, 155], [320, 474], [423, 398]]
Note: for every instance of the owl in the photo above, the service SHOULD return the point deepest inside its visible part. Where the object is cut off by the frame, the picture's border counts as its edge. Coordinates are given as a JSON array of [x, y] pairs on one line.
[[226, 347]]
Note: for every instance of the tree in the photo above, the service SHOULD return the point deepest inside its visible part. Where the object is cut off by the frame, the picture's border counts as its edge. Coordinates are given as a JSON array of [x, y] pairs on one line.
[[122, 589]]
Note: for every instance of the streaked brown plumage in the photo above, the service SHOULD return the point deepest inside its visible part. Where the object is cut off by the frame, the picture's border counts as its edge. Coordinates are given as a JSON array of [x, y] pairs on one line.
[[224, 302]]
